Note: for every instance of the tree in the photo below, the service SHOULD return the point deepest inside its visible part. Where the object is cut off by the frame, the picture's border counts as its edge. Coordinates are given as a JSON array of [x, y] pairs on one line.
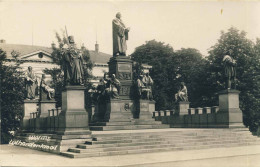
[[246, 53], [170, 69], [12, 96]]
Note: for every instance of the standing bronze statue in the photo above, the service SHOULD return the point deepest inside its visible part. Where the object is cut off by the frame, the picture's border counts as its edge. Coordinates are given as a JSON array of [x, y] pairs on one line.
[[30, 83], [120, 35], [230, 71], [72, 64]]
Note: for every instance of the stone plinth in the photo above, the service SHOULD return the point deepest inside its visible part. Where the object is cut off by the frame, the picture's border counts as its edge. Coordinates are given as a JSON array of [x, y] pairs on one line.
[[147, 107], [214, 109], [206, 110], [229, 114], [183, 107], [198, 110], [73, 119], [191, 111], [46, 105], [30, 106]]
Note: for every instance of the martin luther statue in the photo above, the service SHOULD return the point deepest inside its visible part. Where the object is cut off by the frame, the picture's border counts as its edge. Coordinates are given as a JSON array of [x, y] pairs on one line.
[[120, 35]]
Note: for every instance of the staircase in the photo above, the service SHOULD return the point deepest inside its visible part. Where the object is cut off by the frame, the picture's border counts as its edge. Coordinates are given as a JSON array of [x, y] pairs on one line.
[[125, 121], [156, 140]]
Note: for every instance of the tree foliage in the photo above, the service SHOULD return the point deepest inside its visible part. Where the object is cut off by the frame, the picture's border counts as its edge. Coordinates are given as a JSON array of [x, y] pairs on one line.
[[12, 95]]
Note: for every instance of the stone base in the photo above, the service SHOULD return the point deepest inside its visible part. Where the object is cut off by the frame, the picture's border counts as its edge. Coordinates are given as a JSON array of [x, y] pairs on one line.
[[45, 106], [73, 119], [229, 114], [183, 107], [146, 108], [30, 106], [118, 108]]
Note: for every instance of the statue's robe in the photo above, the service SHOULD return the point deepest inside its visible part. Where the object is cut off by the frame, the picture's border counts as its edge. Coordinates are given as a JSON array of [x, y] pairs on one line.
[[120, 35], [73, 66], [30, 84], [77, 68]]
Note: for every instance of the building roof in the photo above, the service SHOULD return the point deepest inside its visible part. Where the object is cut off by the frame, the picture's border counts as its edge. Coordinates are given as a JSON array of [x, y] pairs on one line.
[[96, 57]]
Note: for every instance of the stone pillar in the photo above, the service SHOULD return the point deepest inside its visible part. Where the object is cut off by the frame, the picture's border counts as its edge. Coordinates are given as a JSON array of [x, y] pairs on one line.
[[30, 106], [183, 107], [229, 114], [46, 105], [73, 119]]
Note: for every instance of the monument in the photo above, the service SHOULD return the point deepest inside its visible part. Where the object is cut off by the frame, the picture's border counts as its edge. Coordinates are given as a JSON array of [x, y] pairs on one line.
[[182, 98], [229, 114], [47, 100], [116, 105], [30, 103], [73, 119]]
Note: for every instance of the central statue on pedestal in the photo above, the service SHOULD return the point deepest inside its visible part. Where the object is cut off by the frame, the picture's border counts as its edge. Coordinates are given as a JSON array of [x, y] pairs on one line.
[[120, 35]]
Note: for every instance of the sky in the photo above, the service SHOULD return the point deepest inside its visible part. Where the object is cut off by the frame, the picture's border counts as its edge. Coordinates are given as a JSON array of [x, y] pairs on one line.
[[181, 24]]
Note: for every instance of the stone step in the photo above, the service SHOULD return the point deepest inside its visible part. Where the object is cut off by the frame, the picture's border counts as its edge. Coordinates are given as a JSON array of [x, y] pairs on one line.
[[120, 120], [125, 123], [161, 135], [123, 141], [147, 150], [148, 145], [172, 138], [87, 146], [128, 127]]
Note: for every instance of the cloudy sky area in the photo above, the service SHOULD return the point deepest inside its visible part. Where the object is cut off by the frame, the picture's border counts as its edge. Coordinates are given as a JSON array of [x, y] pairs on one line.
[[180, 24]]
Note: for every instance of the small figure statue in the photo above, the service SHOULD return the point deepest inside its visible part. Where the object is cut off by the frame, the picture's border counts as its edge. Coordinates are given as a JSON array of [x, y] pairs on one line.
[[148, 83], [50, 91], [30, 83], [120, 35], [114, 87], [182, 94], [140, 85], [72, 64], [230, 70]]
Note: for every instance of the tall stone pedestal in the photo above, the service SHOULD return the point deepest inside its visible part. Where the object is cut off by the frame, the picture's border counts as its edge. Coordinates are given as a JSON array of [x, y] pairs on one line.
[[121, 66], [229, 114], [30, 106], [73, 119], [46, 105], [183, 107]]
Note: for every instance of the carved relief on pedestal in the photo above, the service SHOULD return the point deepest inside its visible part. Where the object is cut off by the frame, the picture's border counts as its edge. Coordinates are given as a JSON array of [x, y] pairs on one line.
[[125, 91], [124, 76]]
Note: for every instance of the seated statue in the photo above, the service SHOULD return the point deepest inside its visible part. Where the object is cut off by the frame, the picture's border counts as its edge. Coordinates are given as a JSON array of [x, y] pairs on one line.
[[144, 86], [182, 94], [148, 83], [114, 87], [45, 89]]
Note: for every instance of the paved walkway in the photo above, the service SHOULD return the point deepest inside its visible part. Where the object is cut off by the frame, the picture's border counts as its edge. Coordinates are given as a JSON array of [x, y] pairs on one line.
[[246, 156]]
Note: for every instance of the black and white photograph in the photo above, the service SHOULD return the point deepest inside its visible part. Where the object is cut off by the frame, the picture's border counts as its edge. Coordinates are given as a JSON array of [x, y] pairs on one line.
[[141, 83]]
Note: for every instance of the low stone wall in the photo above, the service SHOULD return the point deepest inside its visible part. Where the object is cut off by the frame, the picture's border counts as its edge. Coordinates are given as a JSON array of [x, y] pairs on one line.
[[44, 124], [206, 117]]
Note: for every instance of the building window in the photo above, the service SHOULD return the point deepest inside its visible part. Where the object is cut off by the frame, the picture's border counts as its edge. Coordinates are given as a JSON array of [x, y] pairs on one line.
[[40, 55]]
